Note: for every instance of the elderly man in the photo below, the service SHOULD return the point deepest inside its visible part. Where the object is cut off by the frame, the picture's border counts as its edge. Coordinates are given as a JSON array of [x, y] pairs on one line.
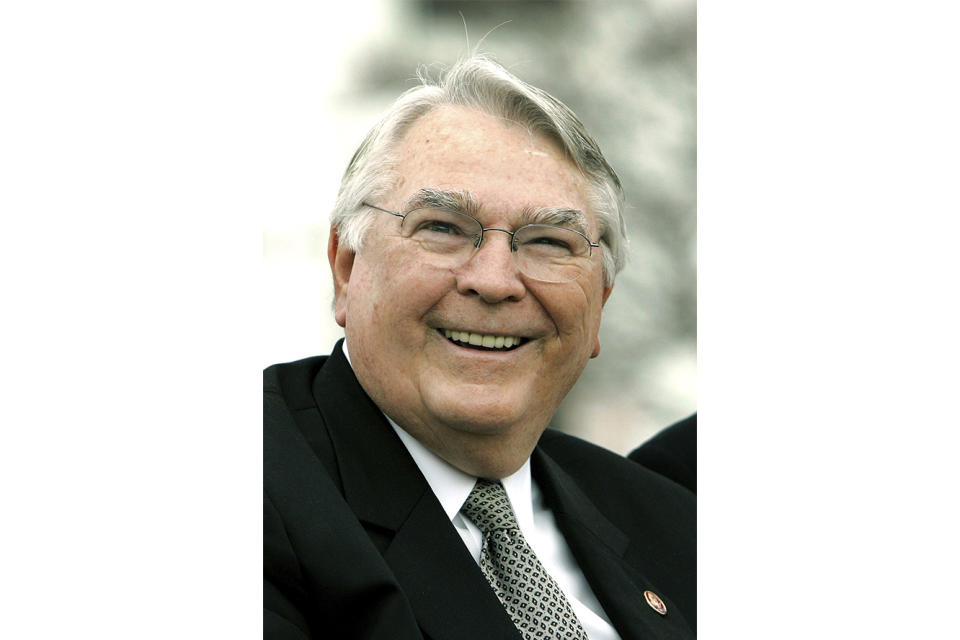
[[412, 488]]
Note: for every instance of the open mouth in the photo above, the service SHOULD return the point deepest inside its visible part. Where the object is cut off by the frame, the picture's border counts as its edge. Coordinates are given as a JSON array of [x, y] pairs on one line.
[[482, 341]]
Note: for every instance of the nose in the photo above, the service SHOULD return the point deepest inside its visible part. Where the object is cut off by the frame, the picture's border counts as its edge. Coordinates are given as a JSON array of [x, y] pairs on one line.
[[491, 272]]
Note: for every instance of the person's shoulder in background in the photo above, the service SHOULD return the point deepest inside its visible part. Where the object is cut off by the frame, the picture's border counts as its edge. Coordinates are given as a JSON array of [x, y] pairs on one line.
[[672, 453]]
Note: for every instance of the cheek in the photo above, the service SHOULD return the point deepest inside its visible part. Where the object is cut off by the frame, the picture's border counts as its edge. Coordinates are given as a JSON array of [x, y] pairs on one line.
[[368, 297], [577, 314], [391, 288]]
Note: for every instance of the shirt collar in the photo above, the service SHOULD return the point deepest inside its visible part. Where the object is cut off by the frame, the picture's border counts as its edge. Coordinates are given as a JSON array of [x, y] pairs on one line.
[[452, 486]]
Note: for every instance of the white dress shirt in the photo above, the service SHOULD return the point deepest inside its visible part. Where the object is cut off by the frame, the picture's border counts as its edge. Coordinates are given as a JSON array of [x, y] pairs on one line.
[[452, 487]]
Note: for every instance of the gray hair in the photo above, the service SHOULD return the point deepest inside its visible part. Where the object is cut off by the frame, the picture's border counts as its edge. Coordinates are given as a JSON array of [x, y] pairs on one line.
[[480, 83]]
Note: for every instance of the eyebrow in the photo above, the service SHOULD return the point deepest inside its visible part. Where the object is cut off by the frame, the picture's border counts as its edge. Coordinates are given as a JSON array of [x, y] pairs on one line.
[[558, 216], [464, 202], [442, 199]]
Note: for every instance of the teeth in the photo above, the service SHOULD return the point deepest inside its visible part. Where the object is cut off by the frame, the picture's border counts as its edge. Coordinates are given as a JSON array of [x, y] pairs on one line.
[[482, 340]]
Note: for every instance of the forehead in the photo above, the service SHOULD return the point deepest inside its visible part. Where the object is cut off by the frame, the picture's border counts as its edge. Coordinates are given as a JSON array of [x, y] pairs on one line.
[[504, 167]]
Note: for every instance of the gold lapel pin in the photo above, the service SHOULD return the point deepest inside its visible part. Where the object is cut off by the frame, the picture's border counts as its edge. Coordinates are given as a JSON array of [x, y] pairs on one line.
[[655, 602]]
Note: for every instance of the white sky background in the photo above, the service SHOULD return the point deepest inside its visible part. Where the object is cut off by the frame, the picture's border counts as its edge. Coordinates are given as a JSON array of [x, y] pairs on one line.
[[134, 172], [315, 139]]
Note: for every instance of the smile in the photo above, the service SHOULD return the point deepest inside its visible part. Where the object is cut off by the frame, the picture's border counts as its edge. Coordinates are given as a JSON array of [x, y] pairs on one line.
[[483, 341]]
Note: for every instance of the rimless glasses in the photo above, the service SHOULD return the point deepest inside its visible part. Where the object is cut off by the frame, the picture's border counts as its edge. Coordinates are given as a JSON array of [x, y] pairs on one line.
[[544, 252]]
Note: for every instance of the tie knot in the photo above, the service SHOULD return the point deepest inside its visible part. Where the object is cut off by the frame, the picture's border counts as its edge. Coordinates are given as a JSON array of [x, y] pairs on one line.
[[489, 507]]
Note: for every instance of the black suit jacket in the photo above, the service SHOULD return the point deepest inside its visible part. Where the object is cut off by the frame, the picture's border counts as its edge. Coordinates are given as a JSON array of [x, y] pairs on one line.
[[356, 545]]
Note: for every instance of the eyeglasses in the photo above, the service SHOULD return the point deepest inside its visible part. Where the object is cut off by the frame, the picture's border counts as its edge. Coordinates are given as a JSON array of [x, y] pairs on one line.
[[544, 252]]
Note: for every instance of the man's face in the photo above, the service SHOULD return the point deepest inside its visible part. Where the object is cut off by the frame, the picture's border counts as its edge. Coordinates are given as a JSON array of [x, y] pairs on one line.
[[481, 410]]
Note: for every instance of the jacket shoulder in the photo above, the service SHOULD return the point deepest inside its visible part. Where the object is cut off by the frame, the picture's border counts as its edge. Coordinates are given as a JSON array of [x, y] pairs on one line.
[[290, 411], [610, 478], [292, 379]]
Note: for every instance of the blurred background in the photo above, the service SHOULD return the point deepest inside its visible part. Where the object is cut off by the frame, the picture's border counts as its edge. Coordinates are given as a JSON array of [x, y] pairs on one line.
[[628, 69]]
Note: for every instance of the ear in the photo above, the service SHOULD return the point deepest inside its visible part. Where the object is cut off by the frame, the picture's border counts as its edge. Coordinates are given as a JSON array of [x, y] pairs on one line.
[[606, 294], [596, 347], [341, 264]]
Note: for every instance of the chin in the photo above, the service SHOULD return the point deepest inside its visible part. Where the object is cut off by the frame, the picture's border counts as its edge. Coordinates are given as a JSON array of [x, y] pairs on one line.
[[493, 441], [480, 422], [482, 413], [488, 404], [491, 453]]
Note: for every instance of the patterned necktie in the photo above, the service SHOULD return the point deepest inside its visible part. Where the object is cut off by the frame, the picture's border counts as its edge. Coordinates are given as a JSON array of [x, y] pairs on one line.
[[528, 593]]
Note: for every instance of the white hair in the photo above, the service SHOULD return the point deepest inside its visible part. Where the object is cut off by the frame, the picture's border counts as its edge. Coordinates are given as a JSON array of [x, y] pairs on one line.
[[480, 83]]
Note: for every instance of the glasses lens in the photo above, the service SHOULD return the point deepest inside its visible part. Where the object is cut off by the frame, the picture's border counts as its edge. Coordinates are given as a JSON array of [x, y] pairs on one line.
[[551, 254], [441, 231], [543, 252]]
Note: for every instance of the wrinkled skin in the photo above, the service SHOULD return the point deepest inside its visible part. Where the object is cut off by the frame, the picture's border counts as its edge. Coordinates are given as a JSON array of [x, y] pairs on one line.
[[481, 411]]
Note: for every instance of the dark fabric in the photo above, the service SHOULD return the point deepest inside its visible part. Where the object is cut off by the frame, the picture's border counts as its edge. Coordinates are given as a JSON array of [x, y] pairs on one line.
[[357, 546], [672, 453]]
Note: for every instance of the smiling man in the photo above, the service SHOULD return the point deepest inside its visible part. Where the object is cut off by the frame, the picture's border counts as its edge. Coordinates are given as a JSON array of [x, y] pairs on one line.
[[412, 486]]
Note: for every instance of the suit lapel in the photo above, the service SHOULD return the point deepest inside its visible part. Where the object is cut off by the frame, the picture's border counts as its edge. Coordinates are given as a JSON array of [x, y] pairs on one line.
[[449, 594], [599, 548], [385, 489]]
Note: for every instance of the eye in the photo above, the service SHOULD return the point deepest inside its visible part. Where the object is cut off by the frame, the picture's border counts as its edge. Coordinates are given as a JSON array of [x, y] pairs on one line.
[[439, 226], [549, 241], [438, 223]]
